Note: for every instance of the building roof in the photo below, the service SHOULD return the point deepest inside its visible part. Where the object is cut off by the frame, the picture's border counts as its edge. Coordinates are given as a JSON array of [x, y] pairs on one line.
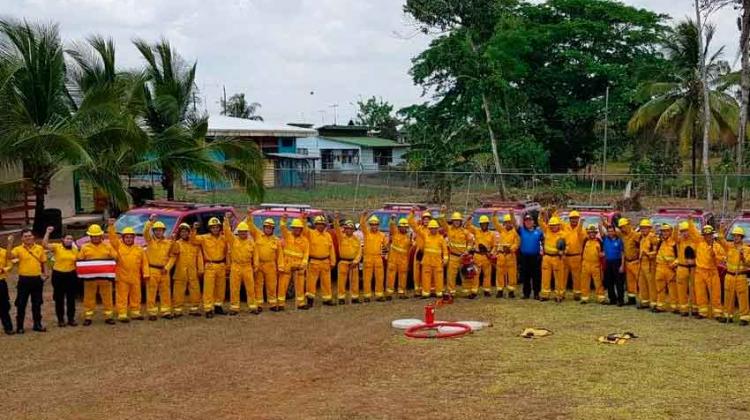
[[221, 125], [295, 156], [373, 142]]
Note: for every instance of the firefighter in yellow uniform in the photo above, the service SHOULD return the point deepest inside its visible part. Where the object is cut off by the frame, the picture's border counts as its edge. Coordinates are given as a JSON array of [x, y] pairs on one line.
[[398, 256], [735, 281], [350, 254], [647, 254], [188, 267], [708, 256], [434, 260], [591, 266], [374, 245], [664, 275], [242, 259], [484, 241], [214, 247], [161, 260], [574, 237], [687, 242], [270, 260], [506, 267], [97, 249], [322, 261], [132, 270], [459, 243], [631, 247], [296, 257], [552, 263], [416, 227]]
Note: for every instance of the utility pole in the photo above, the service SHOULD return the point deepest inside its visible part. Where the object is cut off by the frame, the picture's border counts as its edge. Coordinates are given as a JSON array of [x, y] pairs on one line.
[[606, 129], [224, 88], [322, 116], [335, 114]]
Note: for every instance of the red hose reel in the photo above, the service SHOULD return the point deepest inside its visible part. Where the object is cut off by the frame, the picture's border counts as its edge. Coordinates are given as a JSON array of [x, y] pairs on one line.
[[431, 328]]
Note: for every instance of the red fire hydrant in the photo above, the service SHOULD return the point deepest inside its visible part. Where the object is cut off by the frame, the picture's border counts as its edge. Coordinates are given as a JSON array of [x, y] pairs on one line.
[[429, 314]]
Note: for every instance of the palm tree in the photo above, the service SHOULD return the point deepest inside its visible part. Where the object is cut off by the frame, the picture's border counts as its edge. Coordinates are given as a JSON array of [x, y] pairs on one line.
[[238, 107], [674, 106], [177, 137]]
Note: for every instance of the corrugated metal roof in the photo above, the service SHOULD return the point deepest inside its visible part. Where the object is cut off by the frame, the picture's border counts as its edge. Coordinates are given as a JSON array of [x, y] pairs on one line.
[[365, 141], [221, 125]]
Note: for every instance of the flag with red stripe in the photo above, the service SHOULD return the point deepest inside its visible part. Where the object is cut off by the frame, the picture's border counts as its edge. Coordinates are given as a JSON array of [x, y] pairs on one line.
[[96, 269]]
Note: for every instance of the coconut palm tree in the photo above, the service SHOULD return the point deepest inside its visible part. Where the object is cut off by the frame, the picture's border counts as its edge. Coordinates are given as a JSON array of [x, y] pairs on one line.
[[674, 106], [237, 106]]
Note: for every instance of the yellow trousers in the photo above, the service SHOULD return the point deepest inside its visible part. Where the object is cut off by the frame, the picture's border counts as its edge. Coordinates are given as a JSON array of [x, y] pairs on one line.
[[158, 283], [432, 276], [128, 298], [372, 267], [683, 282], [552, 265], [454, 266], [484, 270], [266, 276], [298, 277], [241, 274], [348, 272], [398, 268], [646, 283], [664, 282], [506, 273], [417, 274], [319, 269], [708, 292], [104, 288], [591, 271], [631, 277], [573, 266], [213, 275], [187, 281], [735, 286]]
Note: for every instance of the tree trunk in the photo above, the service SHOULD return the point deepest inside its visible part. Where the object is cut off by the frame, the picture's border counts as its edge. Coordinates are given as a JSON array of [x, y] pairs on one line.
[[39, 223], [744, 100], [706, 107], [167, 182]]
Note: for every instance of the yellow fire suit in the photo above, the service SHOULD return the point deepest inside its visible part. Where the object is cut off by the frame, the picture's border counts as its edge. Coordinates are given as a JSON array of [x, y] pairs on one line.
[[101, 251], [417, 227], [322, 260], [296, 257], [459, 242], [707, 281], [506, 274], [243, 261], [591, 270], [735, 280], [350, 253], [646, 283], [686, 268], [398, 260], [574, 237], [485, 239], [132, 269], [631, 248], [214, 250], [665, 277], [552, 264], [270, 258], [434, 260], [372, 256], [160, 259], [188, 268]]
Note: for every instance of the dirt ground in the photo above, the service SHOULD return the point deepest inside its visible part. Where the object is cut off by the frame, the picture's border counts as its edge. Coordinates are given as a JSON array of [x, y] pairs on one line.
[[346, 362]]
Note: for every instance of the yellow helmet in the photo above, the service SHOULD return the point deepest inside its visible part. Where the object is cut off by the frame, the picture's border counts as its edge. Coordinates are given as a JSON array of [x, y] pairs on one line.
[[213, 222], [349, 224], [426, 214], [433, 224], [456, 216], [297, 223], [708, 230], [128, 231], [738, 231], [184, 226], [554, 221], [158, 225], [573, 214], [94, 230], [320, 220], [484, 219], [403, 222], [683, 226], [623, 222], [666, 226], [592, 228], [507, 218], [269, 222], [373, 220], [645, 223], [243, 227]]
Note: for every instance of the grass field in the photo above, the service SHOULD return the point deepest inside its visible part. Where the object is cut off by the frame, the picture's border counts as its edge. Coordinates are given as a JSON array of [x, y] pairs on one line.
[[346, 362]]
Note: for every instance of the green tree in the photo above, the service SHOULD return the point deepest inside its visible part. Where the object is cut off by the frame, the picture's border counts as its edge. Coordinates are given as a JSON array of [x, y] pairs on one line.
[[377, 115], [238, 107]]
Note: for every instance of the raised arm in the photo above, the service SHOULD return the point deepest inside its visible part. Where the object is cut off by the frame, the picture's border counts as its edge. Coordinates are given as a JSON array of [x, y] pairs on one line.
[[470, 226], [363, 224], [226, 227], [147, 228], [496, 222], [283, 229], [45, 239], [114, 240], [392, 228], [254, 231]]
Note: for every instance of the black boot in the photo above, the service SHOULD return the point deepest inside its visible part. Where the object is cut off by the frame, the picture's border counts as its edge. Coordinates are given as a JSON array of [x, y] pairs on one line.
[[342, 301], [86, 322], [219, 310], [631, 300], [209, 314], [487, 293], [310, 302]]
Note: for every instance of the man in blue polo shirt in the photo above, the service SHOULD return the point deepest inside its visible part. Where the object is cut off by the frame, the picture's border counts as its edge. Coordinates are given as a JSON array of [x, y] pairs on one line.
[[614, 279], [530, 257]]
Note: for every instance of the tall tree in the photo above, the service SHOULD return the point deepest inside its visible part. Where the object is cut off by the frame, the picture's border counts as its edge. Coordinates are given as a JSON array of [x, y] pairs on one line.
[[238, 107], [377, 115]]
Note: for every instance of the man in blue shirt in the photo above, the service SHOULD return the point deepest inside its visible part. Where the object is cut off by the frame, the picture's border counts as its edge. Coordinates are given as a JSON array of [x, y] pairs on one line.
[[530, 259], [614, 280]]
